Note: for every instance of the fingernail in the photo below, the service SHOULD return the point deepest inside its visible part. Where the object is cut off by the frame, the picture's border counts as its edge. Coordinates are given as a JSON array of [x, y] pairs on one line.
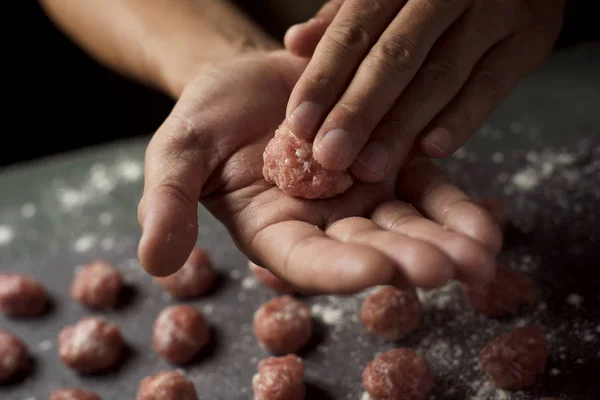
[[440, 139], [337, 144], [375, 158], [305, 118]]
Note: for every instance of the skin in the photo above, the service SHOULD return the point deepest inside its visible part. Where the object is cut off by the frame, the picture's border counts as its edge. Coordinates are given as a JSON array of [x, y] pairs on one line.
[[209, 149], [386, 76]]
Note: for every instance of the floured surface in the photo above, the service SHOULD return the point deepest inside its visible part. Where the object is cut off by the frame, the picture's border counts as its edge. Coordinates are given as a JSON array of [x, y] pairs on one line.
[[553, 212]]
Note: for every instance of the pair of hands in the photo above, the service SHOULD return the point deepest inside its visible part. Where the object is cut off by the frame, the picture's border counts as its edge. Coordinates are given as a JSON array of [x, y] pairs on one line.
[[406, 226]]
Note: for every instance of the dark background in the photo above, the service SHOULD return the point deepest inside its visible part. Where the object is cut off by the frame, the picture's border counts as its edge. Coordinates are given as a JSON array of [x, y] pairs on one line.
[[57, 99]]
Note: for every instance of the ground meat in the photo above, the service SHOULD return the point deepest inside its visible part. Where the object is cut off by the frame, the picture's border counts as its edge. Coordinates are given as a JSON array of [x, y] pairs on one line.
[[496, 207], [513, 360], [289, 164], [73, 394], [269, 280], [391, 313], [505, 295], [14, 356], [91, 345], [194, 279], [21, 295], [167, 385], [398, 374], [180, 332], [279, 378], [97, 285], [282, 325]]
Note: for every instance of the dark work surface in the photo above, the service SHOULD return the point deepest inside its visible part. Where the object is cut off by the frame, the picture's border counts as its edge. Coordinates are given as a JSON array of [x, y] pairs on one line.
[[540, 150]]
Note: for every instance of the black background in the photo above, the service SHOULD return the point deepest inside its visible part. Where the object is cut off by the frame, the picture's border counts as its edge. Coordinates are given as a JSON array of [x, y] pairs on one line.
[[56, 98]]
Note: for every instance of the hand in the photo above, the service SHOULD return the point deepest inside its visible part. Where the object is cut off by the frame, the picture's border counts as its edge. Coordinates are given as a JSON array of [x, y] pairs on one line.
[[210, 149], [390, 75]]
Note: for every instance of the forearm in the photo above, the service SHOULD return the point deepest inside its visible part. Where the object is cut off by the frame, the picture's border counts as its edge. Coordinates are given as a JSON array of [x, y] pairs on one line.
[[161, 43]]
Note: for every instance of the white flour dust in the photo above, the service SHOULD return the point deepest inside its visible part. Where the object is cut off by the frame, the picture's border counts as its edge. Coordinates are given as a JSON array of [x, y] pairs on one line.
[[6, 235], [84, 243], [28, 210]]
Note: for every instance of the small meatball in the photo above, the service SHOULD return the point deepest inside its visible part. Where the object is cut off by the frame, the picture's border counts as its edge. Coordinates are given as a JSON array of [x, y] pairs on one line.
[[398, 374], [97, 285], [167, 385], [282, 325], [505, 295], [513, 360], [279, 378], [180, 332], [73, 394], [269, 280], [14, 356], [290, 165], [91, 345], [496, 207], [194, 279], [22, 296], [391, 313]]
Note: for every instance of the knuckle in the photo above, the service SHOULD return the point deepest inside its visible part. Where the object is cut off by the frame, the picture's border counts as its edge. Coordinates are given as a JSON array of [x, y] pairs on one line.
[[321, 82], [358, 111], [351, 36], [400, 136], [397, 54], [441, 75], [491, 86]]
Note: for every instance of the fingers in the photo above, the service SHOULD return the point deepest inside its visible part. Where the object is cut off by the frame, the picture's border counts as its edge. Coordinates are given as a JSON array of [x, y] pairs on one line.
[[443, 73], [474, 263], [305, 256], [302, 39], [428, 189], [489, 84], [419, 263], [347, 40], [176, 167], [381, 78]]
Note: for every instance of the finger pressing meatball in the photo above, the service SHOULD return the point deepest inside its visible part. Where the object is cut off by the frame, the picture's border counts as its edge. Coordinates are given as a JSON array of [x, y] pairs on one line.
[[194, 279]]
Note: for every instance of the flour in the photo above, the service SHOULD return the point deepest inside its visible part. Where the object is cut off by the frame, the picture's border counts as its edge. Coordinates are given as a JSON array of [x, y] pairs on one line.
[[45, 345], [6, 235], [107, 243], [543, 166], [497, 158], [28, 210], [327, 314], [575, 300], [100, 181], [84, 243], [249, 282], [105, 218]]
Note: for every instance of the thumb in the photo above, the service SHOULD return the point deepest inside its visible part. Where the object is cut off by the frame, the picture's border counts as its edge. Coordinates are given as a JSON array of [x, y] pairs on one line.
[[179, 159]]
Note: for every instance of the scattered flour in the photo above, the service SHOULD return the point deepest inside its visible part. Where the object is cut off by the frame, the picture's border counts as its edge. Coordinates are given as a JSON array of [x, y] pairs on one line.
[[107, 243], [575, 300], [105, 218], [327, 314], [208, 308], [460, 154], [249, 282], [130, 170], [541, 167], [6, 235], [365, 396], [28, 210], [84, 243], [235, 274], [497, 158], [45, 345]]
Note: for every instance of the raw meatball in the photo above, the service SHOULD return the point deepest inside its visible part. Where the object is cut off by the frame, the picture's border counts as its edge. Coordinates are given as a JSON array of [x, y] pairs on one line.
[[193, 279], [73, 394], [21, 295], [97, 285], [269, 280], [282, 325], [391, 313], [508, 292], [398, 374], [279, 378], [496, 207], [14, 356], [513, 360], [289, 164], [91, 345], [180, 332], [167, 385]]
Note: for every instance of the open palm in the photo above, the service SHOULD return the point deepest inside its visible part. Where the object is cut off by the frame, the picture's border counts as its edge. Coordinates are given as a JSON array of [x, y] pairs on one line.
[[416, 228]]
